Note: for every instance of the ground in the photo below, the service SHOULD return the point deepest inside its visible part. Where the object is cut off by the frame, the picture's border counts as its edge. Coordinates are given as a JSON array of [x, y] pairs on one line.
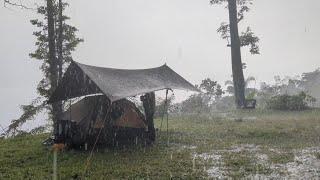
[[254, 144]]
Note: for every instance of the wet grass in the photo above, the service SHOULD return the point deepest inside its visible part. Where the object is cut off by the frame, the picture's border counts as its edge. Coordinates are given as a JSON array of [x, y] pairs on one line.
[[284, 130], [242, 164], [281, 158], [26, 158]]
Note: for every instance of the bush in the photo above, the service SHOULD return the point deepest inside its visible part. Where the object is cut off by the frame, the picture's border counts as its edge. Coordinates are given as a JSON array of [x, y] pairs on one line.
[[289, 102]]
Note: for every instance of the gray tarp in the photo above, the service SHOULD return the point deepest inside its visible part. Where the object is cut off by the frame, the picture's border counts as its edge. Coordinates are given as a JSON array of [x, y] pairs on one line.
[[116, 84]]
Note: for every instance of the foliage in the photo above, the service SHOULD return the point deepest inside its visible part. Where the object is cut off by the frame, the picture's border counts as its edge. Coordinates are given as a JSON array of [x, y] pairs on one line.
[[290, 102], [247, 37], [308, 82], [211, 92], [196, 103], [69, 43], [225, 103], [211, 88], [29, 112], [248, 80], [163, 106], [16, 3]]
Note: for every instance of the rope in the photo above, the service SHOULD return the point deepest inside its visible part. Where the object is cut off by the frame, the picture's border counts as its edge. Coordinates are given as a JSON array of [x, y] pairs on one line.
[[96, 141]]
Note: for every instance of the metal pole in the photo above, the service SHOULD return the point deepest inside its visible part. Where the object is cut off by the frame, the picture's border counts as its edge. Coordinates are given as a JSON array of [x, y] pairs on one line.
[[164, 109], [70, 109], [167, 117]]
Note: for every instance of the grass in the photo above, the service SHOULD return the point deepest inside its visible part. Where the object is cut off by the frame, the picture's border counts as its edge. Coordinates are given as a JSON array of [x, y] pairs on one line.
[[281, 158], [241, 165], [25, 157]]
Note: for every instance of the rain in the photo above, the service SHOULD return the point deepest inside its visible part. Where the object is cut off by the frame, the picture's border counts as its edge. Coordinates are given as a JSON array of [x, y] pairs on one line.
[[171, 89]]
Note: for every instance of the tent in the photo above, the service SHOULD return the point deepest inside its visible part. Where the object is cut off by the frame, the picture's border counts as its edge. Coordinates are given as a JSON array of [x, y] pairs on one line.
[[105, 105], [81, 122]]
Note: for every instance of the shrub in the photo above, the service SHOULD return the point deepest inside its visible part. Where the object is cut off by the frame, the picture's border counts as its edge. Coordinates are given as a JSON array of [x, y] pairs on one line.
[[289, 102]]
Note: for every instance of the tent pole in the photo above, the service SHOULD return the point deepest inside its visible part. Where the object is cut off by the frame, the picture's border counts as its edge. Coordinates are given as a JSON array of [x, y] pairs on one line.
[[167, 107], [70, 108], [164, 110]]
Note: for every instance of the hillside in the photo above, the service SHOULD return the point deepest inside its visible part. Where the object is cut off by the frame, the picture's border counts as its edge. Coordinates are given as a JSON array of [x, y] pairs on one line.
[[260, 144]]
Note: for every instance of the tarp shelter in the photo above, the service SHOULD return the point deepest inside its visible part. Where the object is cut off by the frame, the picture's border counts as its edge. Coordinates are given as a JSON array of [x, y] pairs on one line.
[[80, 80], [80, 122]]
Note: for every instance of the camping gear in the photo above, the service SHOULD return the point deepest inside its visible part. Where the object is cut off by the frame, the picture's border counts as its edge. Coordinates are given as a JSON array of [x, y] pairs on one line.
[[105, 112], [81, 122], [80, 80]]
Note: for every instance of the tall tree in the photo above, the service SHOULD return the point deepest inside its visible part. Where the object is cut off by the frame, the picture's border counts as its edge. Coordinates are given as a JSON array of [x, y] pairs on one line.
[[52, 61], [247, 38], [54, 38], [60, 41]]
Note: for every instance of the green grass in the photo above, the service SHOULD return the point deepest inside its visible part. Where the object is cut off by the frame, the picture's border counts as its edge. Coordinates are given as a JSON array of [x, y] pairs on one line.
[[26, 158], [241, 164], [281, 158]]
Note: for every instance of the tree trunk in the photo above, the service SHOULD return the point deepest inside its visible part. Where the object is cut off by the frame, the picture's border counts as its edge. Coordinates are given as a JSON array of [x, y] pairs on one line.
[[52, 62], [60, 41], [149, 105], [237, 71]]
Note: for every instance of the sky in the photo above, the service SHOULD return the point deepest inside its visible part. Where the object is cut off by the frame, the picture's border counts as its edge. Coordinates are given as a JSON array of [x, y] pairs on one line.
[[148, 33]]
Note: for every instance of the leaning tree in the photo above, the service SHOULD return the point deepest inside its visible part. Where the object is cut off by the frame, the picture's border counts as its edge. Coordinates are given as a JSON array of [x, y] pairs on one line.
[[230, 32]]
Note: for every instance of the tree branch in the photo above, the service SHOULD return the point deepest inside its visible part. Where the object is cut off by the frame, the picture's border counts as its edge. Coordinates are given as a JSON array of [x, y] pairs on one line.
[[8, 2]]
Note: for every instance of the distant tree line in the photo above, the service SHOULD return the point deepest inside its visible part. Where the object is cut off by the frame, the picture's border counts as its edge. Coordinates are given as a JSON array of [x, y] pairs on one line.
[[288, 93]]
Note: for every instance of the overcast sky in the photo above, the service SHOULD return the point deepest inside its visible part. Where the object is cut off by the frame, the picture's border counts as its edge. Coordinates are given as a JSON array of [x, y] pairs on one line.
[[149, 33]]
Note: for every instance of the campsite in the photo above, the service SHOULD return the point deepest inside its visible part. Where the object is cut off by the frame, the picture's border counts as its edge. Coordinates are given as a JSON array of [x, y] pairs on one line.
[[171, 89], [270, 146]]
